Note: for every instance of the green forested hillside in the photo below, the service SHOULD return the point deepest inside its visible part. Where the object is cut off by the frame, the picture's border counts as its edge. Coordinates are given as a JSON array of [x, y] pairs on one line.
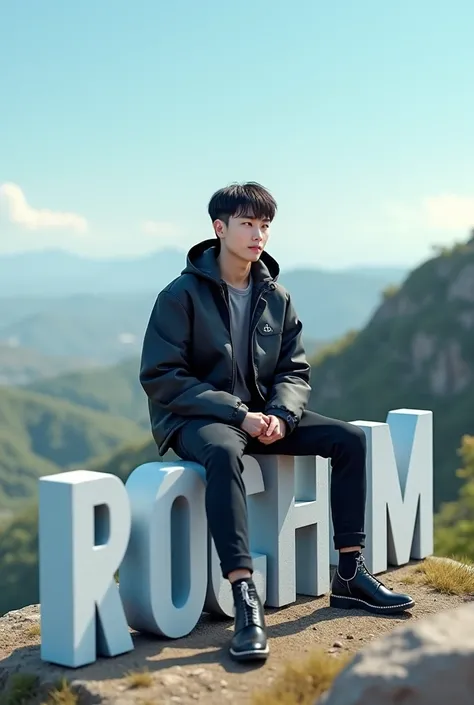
[[417, 351], [115, 390], [22, 366], [41, 435], [128, 457], [19, 579]]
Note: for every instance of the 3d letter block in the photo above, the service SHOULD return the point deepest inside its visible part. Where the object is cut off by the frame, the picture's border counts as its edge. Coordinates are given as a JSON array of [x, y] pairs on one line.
[[289, 523], [84, 525], [399, 508], [163, 576], [400, 488]]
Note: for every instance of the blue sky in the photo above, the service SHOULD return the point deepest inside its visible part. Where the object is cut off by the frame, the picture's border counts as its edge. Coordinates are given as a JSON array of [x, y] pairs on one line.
[[120, 119]]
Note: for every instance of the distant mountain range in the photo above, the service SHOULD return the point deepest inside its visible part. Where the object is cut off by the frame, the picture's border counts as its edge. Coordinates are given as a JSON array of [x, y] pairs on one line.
[[57, 304], [22, 365], [61, 273]]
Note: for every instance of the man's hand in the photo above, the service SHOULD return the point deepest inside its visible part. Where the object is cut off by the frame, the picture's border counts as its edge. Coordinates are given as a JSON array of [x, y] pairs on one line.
[[275, 431], [255, 423]]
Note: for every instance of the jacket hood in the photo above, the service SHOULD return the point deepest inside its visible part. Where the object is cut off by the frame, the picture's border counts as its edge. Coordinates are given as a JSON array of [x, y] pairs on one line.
[[202, 262]]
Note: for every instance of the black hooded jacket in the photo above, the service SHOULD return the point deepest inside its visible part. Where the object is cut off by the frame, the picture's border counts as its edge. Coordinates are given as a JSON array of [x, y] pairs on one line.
[[187, 365]]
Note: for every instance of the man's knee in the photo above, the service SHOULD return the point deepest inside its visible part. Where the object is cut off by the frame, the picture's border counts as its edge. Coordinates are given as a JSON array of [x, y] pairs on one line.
[[351, 439], [223, 457]]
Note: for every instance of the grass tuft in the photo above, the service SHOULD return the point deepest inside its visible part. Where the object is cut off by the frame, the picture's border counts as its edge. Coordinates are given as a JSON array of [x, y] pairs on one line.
[[444, 575], [139, 679], [22, 687], [62, 694], [302, 682], [34, 630]]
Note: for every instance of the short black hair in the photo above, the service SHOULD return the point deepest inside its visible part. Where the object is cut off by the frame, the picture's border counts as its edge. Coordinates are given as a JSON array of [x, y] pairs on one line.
[[237, 200]]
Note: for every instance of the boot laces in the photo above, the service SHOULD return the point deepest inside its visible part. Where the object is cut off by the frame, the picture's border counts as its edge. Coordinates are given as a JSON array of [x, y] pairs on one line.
[[361, 564], [251, 606]]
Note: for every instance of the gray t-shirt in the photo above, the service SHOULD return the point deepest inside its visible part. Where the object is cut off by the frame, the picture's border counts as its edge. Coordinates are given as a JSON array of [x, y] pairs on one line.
[[240, 303]]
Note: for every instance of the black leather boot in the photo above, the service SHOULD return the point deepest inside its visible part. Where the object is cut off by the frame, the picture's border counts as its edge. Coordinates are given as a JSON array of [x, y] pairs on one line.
[[249, 642], [364, 592]]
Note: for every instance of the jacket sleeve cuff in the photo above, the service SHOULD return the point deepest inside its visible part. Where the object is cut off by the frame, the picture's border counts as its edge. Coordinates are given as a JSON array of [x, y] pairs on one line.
[[290, 419], [239, 414]]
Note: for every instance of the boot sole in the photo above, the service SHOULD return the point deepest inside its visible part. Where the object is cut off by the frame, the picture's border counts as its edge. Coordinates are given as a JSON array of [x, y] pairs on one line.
[[260, 655], [354, 603]]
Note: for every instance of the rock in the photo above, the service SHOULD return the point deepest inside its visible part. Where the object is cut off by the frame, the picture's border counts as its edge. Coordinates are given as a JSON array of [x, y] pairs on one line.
[[425, 663], [19, 619], [171, 679], [338, 644], [349, 636], [197, 672], [205, 677]]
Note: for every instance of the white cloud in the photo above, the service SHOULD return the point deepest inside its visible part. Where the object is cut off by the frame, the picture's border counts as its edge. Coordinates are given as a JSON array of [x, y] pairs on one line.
[[19, 212], [441, 219], [449, 212]]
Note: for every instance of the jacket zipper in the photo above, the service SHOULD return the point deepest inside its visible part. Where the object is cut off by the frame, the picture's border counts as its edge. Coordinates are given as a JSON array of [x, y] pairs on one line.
[[254, 328], [224, 295]]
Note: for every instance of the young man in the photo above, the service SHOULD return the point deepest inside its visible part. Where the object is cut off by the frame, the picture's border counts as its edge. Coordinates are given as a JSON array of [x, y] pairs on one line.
[[225, 372]]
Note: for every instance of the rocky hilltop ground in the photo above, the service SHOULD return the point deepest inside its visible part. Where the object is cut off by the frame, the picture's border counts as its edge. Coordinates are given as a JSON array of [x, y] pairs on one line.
[[197, 668]]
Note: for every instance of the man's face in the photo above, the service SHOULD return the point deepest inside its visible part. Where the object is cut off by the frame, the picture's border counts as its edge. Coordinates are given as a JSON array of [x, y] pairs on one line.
[[245, 237]]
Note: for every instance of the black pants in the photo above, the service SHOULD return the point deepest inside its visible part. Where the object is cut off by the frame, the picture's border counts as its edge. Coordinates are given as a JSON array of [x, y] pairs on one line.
[[219, 448]]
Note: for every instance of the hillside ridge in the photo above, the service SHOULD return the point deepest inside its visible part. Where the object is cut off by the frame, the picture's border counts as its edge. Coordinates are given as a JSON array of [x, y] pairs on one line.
[[416, 351]]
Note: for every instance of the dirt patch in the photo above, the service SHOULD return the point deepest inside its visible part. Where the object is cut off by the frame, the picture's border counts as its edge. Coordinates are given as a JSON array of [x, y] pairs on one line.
[[197, 667]]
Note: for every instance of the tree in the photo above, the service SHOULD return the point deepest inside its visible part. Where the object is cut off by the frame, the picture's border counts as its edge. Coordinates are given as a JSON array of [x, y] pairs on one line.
[[454, 525], [19, 561]]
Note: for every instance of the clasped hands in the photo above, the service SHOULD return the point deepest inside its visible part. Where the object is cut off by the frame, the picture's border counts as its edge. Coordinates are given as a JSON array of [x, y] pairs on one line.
[[266, 428]]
